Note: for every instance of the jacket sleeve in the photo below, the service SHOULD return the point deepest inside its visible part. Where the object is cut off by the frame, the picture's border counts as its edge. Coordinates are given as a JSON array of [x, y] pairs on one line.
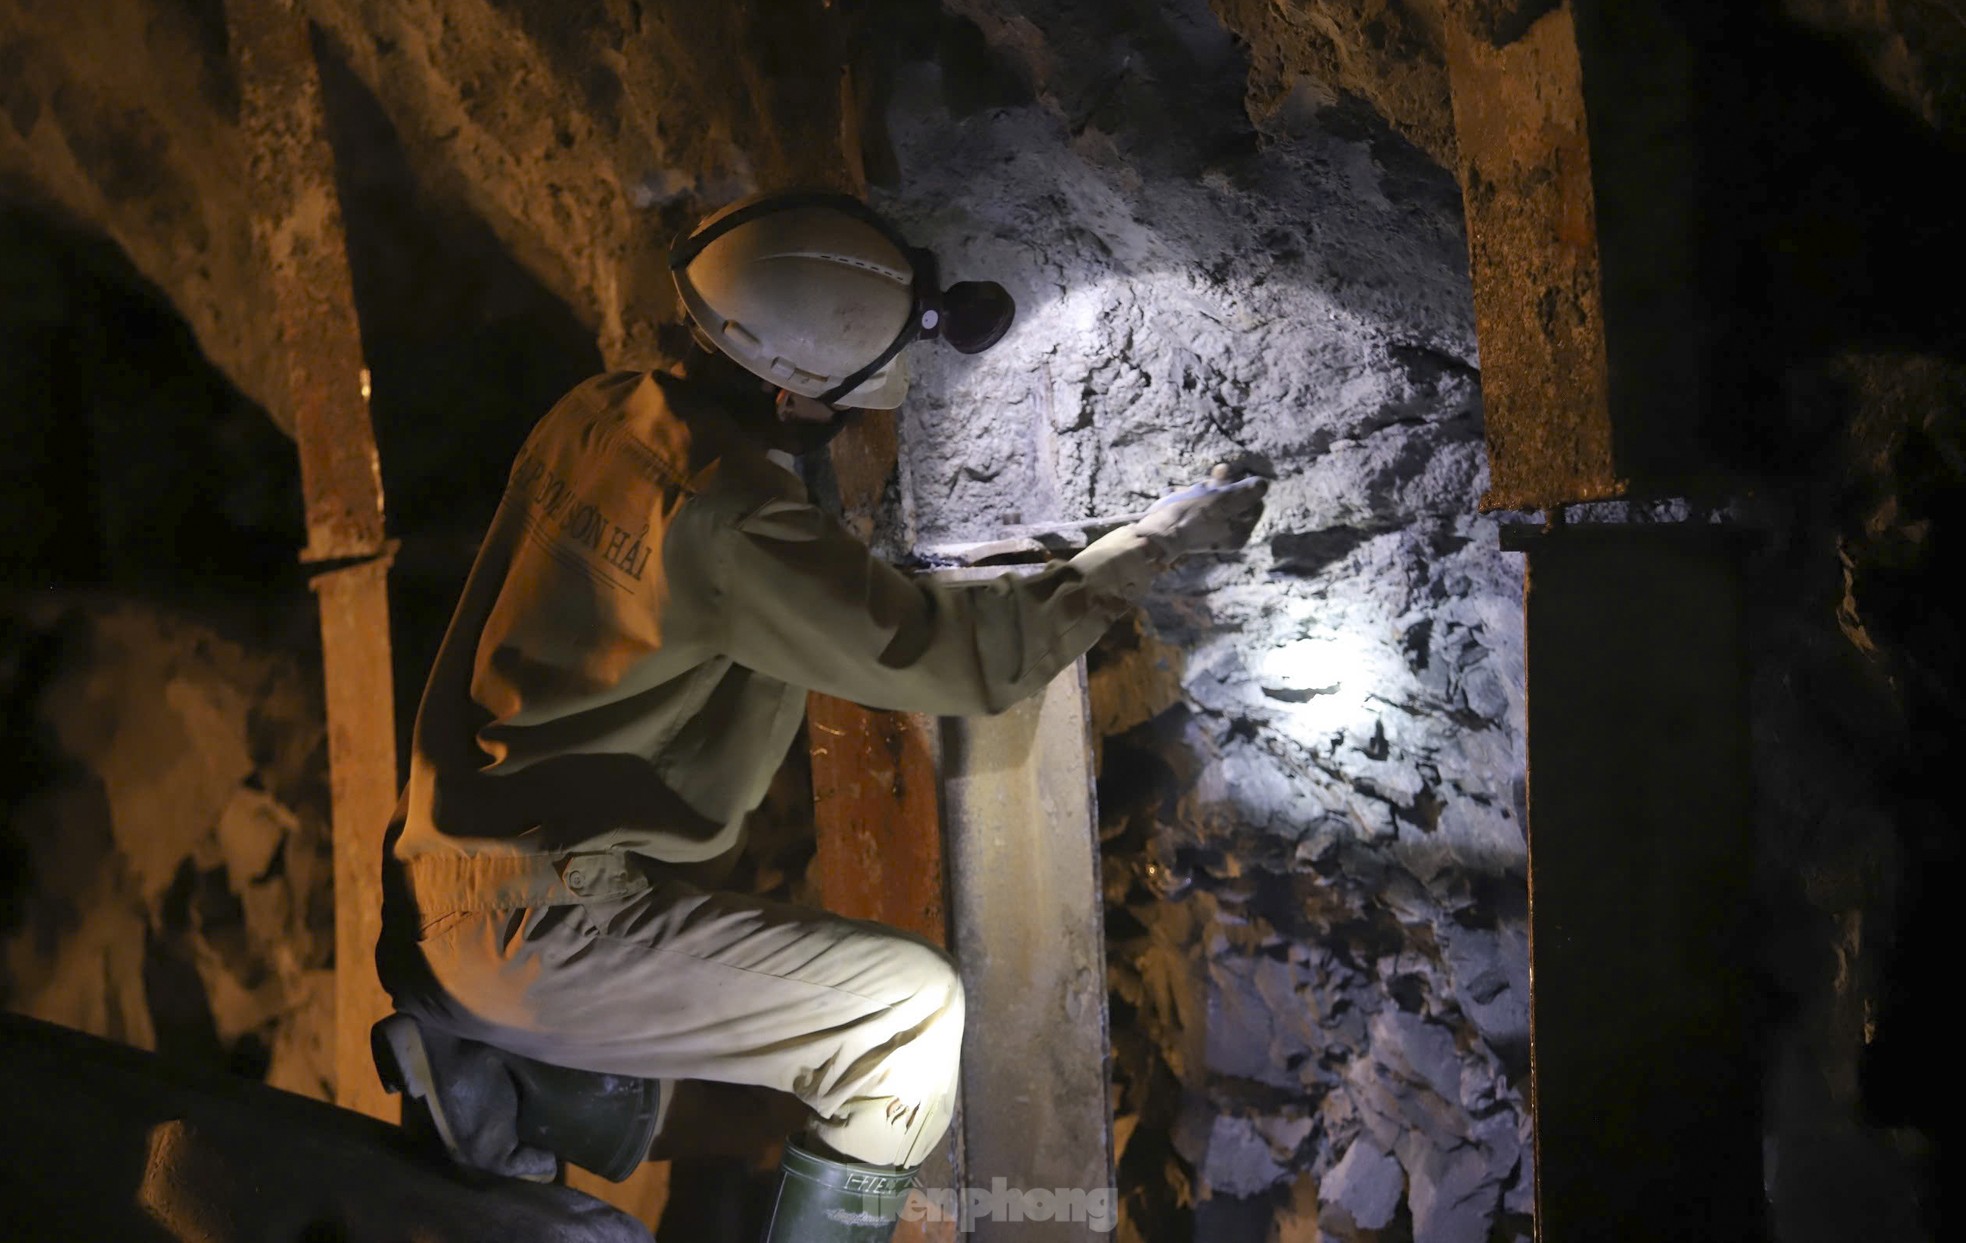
[[805, 602]]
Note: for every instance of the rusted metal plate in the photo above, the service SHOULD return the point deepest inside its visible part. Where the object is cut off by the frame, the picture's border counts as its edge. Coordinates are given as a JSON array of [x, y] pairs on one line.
[[1580, 178], [1646, 1080], [1531, 208], [354, 606], [297, 231], [1029, 935], [878, 816]]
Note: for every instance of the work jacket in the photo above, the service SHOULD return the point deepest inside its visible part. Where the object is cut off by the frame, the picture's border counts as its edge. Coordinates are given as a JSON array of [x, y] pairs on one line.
[[629, 662]]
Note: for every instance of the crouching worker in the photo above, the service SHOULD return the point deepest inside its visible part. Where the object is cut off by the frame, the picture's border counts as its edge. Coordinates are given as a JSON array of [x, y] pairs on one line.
[[627, 668]]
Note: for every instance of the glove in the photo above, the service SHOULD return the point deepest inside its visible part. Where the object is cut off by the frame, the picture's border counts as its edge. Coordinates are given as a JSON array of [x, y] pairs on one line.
[[1216, 515]]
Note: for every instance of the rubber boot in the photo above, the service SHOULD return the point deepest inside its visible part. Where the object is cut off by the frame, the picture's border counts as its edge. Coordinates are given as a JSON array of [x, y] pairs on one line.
[[506, 1114], [604, 1123], [821, 1200]]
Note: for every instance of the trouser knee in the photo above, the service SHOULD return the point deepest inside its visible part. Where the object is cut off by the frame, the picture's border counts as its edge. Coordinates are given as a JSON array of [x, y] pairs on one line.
[[935, 987], [897, 1104]]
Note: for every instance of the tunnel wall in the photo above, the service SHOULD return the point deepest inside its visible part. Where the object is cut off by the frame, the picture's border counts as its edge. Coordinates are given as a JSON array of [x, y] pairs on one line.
[[1311, 755]]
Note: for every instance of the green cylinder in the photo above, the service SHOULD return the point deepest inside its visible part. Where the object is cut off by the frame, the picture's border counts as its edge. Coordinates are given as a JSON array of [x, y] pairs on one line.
[[825, 1201]]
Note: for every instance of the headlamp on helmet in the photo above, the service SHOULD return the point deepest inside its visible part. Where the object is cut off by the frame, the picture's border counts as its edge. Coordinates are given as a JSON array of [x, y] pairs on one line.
[[819, 294]]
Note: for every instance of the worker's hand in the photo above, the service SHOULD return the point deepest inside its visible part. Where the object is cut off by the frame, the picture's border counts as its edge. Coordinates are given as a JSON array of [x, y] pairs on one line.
[[1216, 515]]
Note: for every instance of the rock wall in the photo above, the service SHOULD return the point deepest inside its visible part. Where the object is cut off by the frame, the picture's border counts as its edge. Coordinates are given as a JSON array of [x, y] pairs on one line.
[[163, 799], [1858, 728], [1310, 781], [167, 808]]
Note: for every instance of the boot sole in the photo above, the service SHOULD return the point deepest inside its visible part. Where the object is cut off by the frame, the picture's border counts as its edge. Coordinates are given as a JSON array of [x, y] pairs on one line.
[[402, 1061]]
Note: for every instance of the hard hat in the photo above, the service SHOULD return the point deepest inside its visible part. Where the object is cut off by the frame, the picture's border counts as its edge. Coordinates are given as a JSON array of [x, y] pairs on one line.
[[818, 294]]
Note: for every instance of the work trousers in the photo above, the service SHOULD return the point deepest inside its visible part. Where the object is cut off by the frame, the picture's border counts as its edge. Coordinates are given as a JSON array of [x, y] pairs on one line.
[[602, 962]]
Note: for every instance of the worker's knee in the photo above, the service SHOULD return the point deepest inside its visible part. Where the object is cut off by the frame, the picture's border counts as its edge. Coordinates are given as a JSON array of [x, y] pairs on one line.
[[928, 978]]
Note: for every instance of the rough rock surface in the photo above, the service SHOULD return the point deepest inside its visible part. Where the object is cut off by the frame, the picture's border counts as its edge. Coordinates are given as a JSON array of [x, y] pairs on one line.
[[1311, 782], [1858, 732], [169, 807], [1913, 50]]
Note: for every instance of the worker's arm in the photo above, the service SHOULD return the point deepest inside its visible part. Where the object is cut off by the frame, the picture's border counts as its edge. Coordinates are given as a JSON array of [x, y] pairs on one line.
[[803, 601]]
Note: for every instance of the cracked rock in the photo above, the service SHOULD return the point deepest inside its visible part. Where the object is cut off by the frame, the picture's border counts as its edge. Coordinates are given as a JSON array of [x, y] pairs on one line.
[[1367, 1183]]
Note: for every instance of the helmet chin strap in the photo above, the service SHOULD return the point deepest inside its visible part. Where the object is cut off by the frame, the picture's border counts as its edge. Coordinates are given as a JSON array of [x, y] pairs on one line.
[[910, 331]]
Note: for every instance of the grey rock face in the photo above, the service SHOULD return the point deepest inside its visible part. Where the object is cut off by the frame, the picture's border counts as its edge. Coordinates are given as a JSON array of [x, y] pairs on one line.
[[1367, 1183], [1319, 846]]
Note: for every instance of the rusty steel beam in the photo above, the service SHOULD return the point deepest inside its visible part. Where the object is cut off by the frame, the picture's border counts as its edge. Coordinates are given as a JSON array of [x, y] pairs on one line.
[[1029, 930], [297, 231], [354, 606], [1028, 923], [1019, 851], [1580, 184], [878, 816], [1532, 250]]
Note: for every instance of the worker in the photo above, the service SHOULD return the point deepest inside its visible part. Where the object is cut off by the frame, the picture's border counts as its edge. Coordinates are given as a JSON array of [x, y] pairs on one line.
[[627, 668]]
